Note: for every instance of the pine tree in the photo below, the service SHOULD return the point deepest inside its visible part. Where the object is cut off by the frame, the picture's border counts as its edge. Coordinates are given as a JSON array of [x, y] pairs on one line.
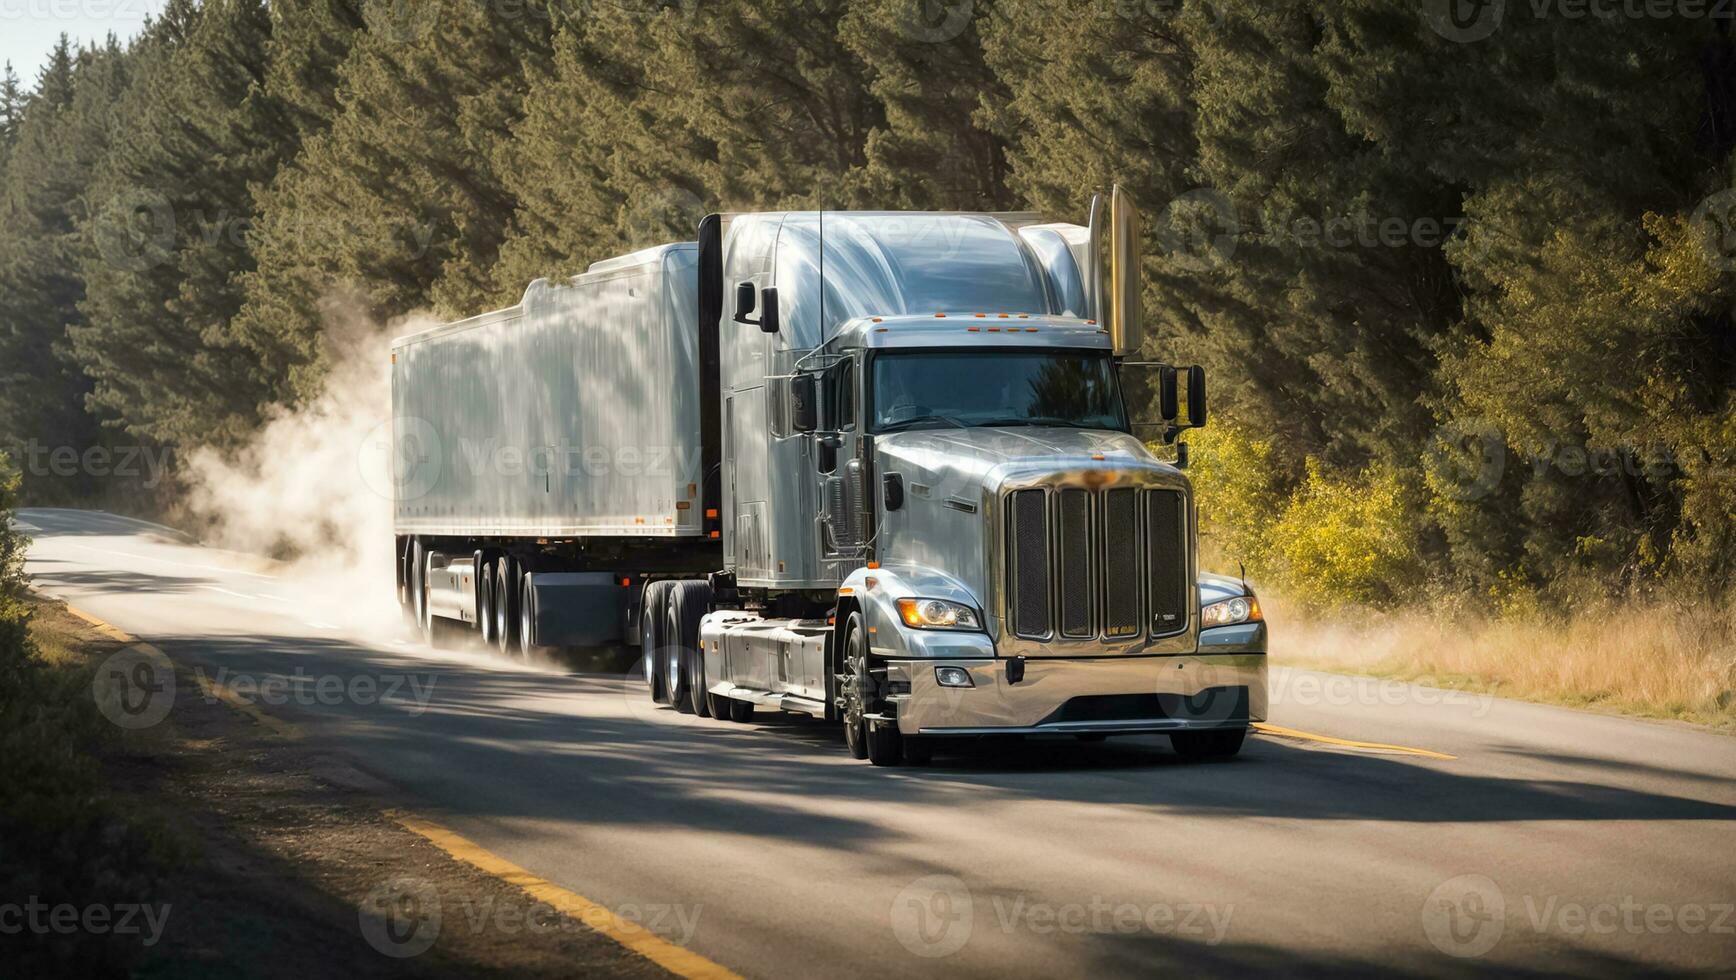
[[171, 206], [64, 130], [400, 204]]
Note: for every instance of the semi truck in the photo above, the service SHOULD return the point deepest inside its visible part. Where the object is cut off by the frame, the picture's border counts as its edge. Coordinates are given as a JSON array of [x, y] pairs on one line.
[[874, 467]]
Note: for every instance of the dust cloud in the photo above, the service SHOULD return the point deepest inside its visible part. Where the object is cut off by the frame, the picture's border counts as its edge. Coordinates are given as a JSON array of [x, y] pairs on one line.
[[314, 487]]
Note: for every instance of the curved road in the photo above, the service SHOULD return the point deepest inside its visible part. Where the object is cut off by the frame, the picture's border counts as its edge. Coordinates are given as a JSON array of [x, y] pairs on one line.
[[1519, 838]]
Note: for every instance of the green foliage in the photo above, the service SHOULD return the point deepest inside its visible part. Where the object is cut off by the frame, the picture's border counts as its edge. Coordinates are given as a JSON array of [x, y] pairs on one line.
[[1323, 541], [1439, 285]]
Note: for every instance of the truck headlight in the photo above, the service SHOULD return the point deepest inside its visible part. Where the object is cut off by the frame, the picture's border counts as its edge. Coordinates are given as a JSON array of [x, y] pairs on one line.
[[1230, 612], [938, 614]]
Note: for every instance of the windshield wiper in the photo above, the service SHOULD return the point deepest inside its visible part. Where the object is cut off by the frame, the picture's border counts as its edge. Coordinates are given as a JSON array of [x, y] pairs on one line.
[[909, 423]]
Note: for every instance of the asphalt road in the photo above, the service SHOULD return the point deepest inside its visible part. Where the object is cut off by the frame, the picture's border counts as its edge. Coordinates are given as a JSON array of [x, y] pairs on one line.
[[1552, 841]]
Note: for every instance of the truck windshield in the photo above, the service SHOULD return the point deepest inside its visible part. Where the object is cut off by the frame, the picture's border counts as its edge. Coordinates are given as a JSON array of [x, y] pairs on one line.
[[940, 389]]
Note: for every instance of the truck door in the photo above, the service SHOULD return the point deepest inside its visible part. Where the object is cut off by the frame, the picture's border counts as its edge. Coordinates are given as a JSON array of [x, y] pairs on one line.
[[843, 475]]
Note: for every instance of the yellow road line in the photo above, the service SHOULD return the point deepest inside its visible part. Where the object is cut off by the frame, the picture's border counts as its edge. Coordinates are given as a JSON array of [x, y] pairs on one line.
[[211, 689], [217, 692], [105, 629], [1282, 732], [676, 959]]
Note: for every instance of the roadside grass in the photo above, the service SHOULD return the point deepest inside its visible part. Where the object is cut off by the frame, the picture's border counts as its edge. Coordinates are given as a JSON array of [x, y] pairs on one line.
[[67, 838], [1673, 660]]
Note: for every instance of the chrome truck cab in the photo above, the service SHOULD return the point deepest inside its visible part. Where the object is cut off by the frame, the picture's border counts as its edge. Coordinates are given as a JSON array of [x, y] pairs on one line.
[[937, 520]]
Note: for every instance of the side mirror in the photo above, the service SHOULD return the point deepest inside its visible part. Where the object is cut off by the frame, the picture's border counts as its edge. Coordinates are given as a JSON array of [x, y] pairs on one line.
[[804, 403], [1167, 403], [1196, 397], [745, 300], [892, 491], [744, 305], [768, 321]]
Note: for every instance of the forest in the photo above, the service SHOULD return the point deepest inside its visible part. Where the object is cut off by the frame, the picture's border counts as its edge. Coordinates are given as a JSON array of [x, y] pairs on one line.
[[1461, 274]]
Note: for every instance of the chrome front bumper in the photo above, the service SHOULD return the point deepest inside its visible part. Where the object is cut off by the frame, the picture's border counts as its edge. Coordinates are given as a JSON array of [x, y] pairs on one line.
[[1101, 695]]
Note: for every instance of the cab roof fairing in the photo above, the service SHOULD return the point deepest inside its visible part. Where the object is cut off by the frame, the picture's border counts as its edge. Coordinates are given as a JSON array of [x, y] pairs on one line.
[[895, 263]]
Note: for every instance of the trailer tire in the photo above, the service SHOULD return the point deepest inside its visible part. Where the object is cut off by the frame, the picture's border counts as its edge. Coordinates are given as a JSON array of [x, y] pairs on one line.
[[417, 584], [651, 639], [505, 606], [1221, 744], [485, 620], [431, 633], [689, 601], [527, 649]]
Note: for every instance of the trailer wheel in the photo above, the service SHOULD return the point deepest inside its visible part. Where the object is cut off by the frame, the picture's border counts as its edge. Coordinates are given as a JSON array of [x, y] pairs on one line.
[[688, 604], [528, 649], [675, 670], [431, 632], [651, 639], [505, 608], [417, 584], [1221, 744], [485, 602]]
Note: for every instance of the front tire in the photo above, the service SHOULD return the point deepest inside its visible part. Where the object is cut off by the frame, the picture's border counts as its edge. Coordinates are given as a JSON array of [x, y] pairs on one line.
[[1221, 744], [879, 743]]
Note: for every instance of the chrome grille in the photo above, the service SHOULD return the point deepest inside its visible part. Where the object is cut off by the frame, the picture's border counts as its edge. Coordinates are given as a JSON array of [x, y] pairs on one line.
[[1083, 564], [1075, 506], [1121, 563], [1029, 550], [1166, 560]]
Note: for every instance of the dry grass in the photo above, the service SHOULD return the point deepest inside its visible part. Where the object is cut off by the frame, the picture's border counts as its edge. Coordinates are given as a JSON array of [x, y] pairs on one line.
[[1656, 660]]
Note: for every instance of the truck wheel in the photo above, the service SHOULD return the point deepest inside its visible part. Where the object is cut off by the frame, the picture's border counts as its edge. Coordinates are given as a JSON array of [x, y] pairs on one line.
[[431, 632], [418, 584], [688, 604], [1220, 744], [651, 639], [676, 673], [505, 608], [527, 649], [740, 711], [857, 686], [485, 603]]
